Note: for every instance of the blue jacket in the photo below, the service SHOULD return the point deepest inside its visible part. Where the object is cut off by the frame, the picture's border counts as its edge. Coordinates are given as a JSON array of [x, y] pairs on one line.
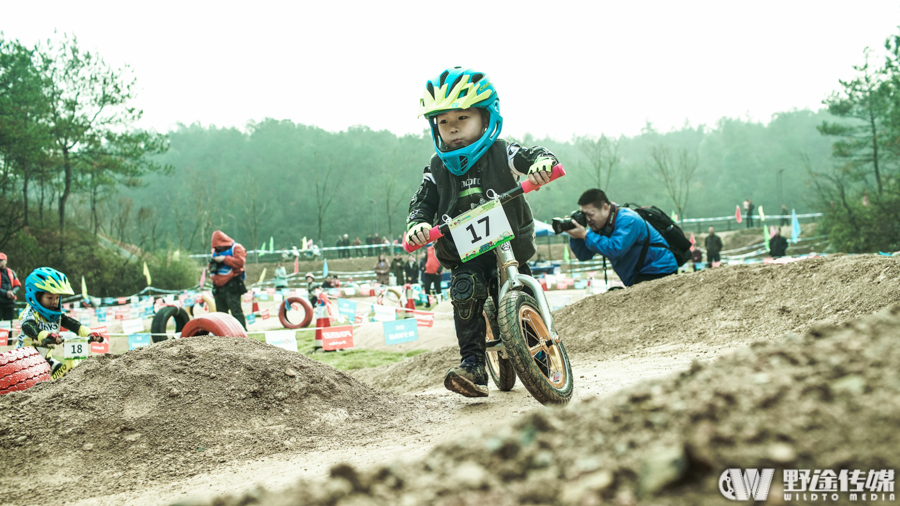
[[622, 243]]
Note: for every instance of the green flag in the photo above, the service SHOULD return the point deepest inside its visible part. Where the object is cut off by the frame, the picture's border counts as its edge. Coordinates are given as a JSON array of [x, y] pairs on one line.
[[566, 253], [271, 245], [766, 236], [262, 249]]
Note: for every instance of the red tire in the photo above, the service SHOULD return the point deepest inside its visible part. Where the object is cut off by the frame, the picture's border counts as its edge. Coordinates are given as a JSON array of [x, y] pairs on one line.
[[214, 324], [22, 368], [282, 312]]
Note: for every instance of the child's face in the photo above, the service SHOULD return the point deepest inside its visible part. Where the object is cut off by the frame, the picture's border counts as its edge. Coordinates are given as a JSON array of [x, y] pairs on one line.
[[49, 300], [459, 128]]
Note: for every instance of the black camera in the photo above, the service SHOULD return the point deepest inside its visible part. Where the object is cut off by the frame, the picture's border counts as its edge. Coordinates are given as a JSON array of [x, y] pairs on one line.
[[561, 225]]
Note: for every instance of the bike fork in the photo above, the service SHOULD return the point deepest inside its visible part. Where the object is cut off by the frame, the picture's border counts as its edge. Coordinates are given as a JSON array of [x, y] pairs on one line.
[[515, 280]]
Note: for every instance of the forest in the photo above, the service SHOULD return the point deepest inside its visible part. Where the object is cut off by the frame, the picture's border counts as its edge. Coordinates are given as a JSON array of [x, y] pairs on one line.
[[83, 188]]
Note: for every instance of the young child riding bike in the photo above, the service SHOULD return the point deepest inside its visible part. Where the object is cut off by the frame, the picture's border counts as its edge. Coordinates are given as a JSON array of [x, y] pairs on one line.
[[42, 320], [463, 109]]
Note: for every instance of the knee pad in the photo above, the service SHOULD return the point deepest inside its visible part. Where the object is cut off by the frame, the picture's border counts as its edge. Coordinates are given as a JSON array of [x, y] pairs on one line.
[[467, 293]]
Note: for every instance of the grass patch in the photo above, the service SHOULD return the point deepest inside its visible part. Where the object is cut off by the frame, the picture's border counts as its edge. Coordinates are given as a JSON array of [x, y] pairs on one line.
[[344, 360]]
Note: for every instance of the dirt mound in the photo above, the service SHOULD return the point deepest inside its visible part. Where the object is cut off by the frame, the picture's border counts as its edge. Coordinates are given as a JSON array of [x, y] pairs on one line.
[[729, 305], [179, 408], [422, 372], [824, 401]]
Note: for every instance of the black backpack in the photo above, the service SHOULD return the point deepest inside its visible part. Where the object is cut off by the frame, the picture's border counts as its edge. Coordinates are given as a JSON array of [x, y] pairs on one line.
[[679, 245]]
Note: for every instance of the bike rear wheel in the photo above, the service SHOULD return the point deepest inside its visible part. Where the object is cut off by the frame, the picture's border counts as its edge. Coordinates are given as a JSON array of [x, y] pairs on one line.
[[501, 369], [541, 364]]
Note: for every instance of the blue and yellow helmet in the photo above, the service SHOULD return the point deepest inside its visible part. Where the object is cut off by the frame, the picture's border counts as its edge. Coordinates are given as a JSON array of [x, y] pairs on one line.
[[453, 89], [46, 279]]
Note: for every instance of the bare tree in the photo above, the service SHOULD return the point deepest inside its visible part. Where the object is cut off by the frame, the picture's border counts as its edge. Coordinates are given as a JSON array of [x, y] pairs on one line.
[[603, 158], [676, 170], [254, 208], [326, 188]]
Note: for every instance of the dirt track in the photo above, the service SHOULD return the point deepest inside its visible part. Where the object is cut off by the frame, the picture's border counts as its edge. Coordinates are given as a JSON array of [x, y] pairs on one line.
[[160, 424]]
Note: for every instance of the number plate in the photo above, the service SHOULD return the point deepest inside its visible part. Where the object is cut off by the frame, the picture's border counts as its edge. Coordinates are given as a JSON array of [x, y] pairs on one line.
[[75, 349], [480, 230]]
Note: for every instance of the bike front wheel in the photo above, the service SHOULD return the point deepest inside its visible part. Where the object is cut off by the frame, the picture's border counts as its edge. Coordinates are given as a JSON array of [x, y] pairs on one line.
[[541, 364]]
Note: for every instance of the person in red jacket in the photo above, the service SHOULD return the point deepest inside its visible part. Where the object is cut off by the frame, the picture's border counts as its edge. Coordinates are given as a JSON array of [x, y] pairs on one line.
[[227, 274], [432, 276], [9, 285]]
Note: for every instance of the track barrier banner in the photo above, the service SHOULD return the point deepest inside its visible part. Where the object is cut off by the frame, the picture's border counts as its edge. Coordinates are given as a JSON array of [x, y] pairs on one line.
[[337, 338], [4, 336], [251, 318], [132, 326], [347, 308], [384, 313], [285, 339], [424, 318], [138, 340], [400, 331]]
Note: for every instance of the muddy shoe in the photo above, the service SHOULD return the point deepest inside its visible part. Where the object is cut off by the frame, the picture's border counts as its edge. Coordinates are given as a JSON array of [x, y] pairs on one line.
[[468, 378], [55, 366]]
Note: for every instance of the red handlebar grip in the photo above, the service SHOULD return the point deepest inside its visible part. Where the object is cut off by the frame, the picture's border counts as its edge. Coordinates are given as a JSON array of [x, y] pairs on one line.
[[433, 235], [557, 172]]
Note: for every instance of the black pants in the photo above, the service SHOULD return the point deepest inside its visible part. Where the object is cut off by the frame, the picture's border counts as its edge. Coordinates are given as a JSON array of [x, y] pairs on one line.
[[430, 280], [228, 297], [639, 278], [712, 256], [471, 331], [8, 314]]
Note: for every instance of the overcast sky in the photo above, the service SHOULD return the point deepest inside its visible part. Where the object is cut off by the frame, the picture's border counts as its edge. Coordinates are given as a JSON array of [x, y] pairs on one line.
[[561, 68]]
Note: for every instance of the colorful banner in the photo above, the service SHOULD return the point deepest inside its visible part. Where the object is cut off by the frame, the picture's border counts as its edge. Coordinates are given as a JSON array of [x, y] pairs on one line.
[[4, 337], [424, 318], [347, 308], [795, 226], [337, 338], [400, 331], [251, 319], [737, 214], [384, 314], [132, 326], [138, 340], [285, 339]]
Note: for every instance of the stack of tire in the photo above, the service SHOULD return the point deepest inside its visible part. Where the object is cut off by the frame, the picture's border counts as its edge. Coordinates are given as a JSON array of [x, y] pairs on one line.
[[21, 369], [216, 324]]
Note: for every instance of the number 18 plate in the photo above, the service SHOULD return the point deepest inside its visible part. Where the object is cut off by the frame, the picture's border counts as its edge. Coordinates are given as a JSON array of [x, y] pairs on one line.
[[480, 230]]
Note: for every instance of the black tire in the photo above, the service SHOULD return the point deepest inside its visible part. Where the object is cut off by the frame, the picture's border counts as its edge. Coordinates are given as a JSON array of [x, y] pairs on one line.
[[161, 320], [542, 365], [501, 369]]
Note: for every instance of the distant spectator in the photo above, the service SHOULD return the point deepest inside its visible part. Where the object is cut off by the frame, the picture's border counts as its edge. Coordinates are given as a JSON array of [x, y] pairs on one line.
[[345, 253], [432, 272], [369, 242], [411, 270], [227, 269], [778, 245], [713, 244], [311, 287], [748, 212], [357, 251], [382, 270], [280, 277], [696, 257], [9, 285], [397, 269], [785, 216]]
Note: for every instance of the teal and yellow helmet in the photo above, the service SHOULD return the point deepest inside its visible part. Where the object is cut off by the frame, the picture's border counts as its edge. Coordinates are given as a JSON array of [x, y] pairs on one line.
[[457, 89], [46, 279]]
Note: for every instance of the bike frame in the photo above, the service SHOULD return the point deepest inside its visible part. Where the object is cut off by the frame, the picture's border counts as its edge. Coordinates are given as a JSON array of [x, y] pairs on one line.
[[507, 260]]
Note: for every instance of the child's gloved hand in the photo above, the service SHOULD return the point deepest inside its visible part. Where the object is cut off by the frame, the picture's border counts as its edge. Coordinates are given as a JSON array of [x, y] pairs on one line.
[[418, 234], [539, 172], [52, 339], [219, 258], [94, 337]]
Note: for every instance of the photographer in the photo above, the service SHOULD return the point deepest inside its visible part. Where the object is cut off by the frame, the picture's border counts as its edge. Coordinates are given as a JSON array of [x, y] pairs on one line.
[[620, 234], [227, 273]]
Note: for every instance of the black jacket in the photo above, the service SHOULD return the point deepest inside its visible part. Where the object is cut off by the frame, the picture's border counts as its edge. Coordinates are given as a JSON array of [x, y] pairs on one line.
[[499, 169], [778, 246]]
